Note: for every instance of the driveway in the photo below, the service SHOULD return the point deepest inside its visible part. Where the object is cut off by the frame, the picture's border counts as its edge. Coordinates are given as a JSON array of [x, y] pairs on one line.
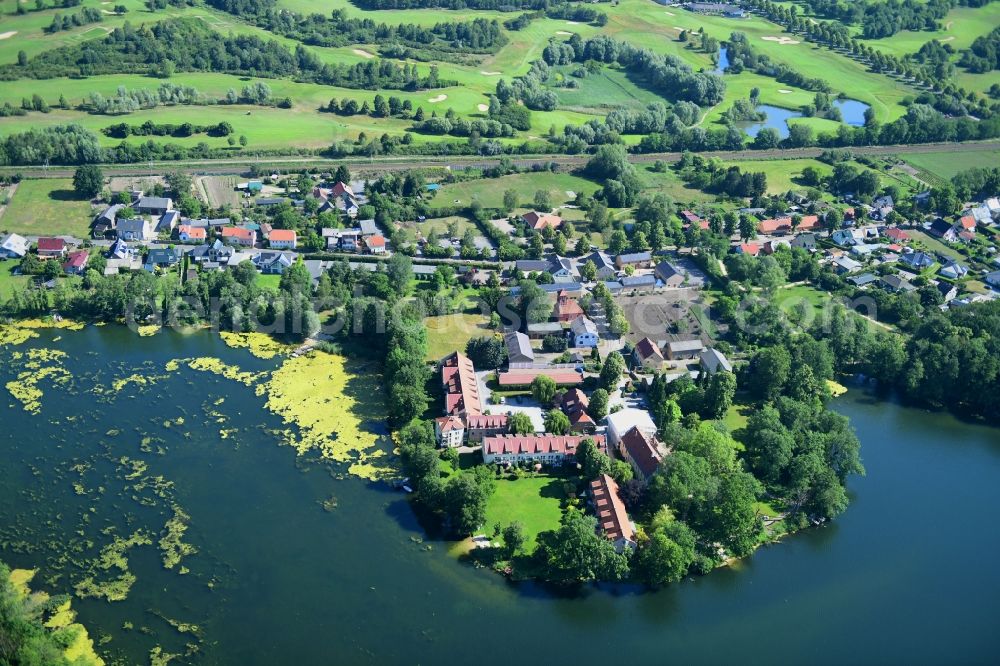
[[527, 405]]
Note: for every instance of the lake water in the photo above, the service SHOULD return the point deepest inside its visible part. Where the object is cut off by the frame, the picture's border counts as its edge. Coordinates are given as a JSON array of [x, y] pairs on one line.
[[906, 576], [723, 63], [852, 112]]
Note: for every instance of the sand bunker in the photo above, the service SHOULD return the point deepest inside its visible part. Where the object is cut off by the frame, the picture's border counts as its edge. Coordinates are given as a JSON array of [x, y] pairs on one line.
[[781, 40], [563, 32], [785, 91], [8, 35], [484, 107], [670, 14], [439, 98], [490, 73], [572, 23], [363, 54]]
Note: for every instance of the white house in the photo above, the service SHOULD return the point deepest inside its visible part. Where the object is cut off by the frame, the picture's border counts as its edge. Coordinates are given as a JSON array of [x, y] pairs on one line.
[[584, 332], [450, 431], [13, 246], [622, 421], [134, 230]]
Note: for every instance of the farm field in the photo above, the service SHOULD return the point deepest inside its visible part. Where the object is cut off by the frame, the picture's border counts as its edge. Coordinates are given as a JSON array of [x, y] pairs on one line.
[[49, 206]]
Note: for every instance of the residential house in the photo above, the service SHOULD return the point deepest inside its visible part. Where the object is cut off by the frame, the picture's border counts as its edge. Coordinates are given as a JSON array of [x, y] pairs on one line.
[[712, 360], [162, 258], [375, 244], [566, 308], [186, 233], [623, 420], [993, 205], [896, 284], [119, 250], [604, 265], [167, 222], [368, 228], [981, 214], [614, 287], [941, 229], [947, 290], [881, 207], [647, 355], [104, 223], [271, 263], [806, 241], [136, 230], [843, 265], [518, 348], [215, 252], [966, 223], [546, 449], [562, 269], [917, 260], [584, 332], [76, 262], [153, 205], [612, 519], [51, 247], [640, 449], [573, 401], [993, 279], [581, 423], [461, 388], [282, 239], [239, 236], [684, 349], [528, 266], [752, 249], [635, 259], [539, 221], [341, 189], [449, 431], [344, 240], [480, 426], [953, 270], [863, 280], [897, 235]]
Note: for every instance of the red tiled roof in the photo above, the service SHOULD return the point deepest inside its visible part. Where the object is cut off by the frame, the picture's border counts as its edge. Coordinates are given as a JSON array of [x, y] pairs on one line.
[[575, 400], [808, 222], [646, 348], [237, 232], [537, 220], [449, 423], [750, 248], [51, 244], [536, 444], [897, 234], [566, 308], [524, 377], [192, 232], [486, 421], [966, 221], [282, 235], [642, 449], [76, 259], [458, 377], [848, 213], [340, 188], [580, 417], [375, 241], [770, 226], [611, 515]]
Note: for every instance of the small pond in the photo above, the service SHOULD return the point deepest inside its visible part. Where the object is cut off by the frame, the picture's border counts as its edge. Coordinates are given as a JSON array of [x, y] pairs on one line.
[[851, 110]]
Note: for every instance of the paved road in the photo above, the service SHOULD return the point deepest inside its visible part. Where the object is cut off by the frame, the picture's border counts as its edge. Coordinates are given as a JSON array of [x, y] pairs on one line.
[[240, 167]]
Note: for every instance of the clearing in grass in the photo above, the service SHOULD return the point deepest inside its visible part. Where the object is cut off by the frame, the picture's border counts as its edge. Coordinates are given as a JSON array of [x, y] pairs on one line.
[[47, 207]]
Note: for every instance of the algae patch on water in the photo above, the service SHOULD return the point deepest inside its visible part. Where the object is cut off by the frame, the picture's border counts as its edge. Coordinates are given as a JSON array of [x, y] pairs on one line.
[[317, 393], [260, 345], [172, 545], [216, 366], [36, 365], [113, 556], [21, 331]]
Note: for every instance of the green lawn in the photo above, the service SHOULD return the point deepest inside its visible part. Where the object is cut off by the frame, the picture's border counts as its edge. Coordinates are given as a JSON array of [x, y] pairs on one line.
[[8, 281], [934, 245], [47, 207], [788, 298], [782, 174], [607, 89], [946, 165], [268, 281], [489, 192], [448, 333], [533, 501]]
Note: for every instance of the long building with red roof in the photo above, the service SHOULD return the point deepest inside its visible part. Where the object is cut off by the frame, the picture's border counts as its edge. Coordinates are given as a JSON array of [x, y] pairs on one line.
[[548, 449], [612, 518], [461, 388], [525, 377]]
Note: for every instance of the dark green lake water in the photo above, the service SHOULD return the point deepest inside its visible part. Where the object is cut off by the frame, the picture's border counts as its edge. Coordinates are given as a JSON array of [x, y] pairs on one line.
[[906, 576]]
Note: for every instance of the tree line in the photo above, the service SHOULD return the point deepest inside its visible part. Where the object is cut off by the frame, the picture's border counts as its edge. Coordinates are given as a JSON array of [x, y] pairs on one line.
[[152, 50]]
